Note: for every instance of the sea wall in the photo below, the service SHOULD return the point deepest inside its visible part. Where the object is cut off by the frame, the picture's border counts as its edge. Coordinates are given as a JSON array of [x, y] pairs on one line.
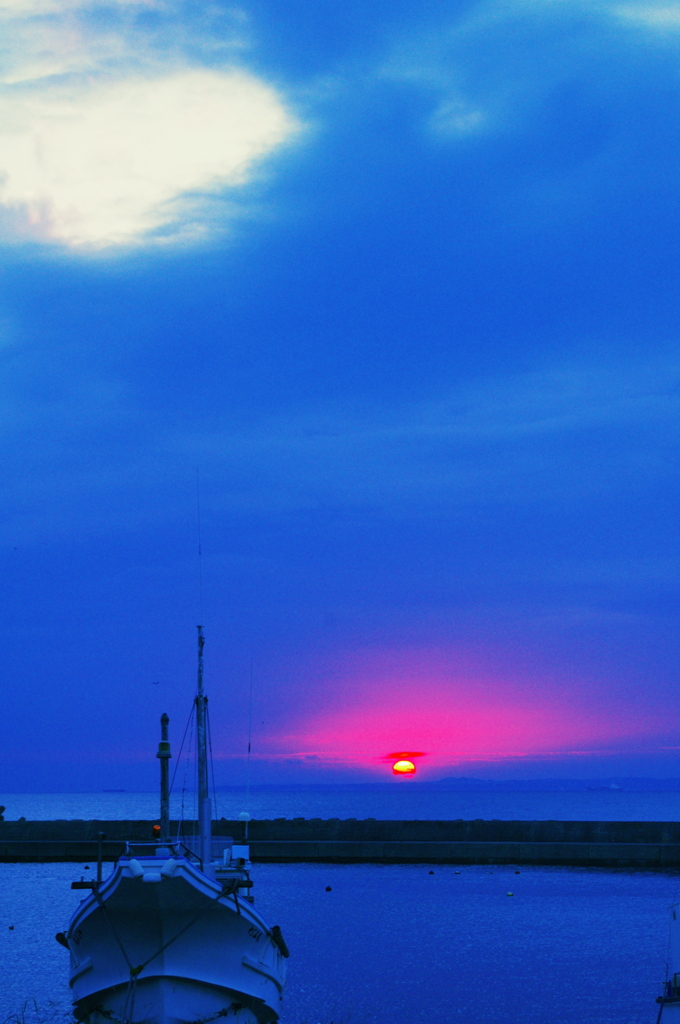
[[647, 844]]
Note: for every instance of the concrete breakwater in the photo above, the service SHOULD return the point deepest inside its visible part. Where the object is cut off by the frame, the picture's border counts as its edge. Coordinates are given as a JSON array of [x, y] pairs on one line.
[[648, 844]]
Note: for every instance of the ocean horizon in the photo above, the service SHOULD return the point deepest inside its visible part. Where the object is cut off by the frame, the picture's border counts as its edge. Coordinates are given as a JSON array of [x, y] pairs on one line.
[[382, 801], [462, 932]]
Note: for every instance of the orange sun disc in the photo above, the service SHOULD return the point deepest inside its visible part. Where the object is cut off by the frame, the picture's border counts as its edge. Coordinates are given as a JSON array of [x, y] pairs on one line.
[[403, 768]]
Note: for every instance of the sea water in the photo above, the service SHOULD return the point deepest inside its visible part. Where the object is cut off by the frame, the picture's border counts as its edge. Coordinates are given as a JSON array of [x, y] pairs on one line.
[[395, 944], [403, 944], [409, 801]]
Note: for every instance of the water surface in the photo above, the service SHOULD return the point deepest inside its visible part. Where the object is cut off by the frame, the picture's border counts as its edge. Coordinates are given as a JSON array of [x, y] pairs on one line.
[[390, 802], [396, 944]]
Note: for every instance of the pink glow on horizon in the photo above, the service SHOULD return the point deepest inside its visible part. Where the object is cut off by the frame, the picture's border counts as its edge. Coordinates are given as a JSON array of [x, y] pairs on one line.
[[453, 708]]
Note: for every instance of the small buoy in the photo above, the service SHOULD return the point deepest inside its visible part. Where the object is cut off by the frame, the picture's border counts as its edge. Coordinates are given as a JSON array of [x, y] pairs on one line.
[[11, 927], [511, 894], [516, 872], [431, 872], [86, 868], [328, 888], [456, 872]]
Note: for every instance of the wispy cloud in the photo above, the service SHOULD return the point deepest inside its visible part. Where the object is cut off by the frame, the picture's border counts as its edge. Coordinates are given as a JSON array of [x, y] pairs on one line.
[[659, 16], [113, 133], [494, 66], [555, 434], [455, 117]]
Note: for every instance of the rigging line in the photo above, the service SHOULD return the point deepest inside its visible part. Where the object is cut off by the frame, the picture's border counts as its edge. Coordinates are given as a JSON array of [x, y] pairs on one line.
[[186, 770], [181, 748], [200, 553]]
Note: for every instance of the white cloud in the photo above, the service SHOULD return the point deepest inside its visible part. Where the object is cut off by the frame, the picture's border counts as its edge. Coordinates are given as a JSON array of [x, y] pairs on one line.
[[655, 17], [32, 7], [106, 164], [41, 38], [110, 136]]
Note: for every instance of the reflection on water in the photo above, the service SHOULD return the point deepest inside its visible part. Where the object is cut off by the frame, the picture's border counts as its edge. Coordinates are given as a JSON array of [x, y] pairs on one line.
[[392, 944]]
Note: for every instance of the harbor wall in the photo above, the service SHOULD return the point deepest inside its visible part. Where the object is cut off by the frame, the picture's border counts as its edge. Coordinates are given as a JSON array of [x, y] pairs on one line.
[[647, 845]]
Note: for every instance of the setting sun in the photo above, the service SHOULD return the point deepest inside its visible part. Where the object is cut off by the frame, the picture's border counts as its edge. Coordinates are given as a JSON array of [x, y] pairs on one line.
[[404, 768]]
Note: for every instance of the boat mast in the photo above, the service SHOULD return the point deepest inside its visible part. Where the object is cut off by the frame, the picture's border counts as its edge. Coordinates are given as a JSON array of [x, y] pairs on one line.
[[204, 807], [164, 755]]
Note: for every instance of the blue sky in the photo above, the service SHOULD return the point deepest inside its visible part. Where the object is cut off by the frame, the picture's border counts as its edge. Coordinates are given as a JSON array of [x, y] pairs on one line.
[[400, 284]]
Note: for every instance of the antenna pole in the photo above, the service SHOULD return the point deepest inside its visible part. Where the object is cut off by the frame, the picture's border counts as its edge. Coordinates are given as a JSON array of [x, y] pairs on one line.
[[200, 552], [204, 805], [250, 738], [165, 755]]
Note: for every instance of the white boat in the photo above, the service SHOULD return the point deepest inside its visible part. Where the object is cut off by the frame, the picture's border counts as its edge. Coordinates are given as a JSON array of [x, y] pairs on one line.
[[669, 1000], [172, 936]]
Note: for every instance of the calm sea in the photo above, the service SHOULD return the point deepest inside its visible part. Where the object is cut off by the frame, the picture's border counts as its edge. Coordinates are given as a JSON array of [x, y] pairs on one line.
[[396, 944], [393, 802], [399, 945]]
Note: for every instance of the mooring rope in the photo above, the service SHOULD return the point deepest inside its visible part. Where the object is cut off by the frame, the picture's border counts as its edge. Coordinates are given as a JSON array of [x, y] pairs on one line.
[[180, 932], [129, 1004], [113, 928]]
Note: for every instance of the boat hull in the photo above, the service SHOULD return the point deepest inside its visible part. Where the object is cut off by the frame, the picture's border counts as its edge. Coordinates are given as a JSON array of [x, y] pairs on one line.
[[171, 948], [166, 1000]]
